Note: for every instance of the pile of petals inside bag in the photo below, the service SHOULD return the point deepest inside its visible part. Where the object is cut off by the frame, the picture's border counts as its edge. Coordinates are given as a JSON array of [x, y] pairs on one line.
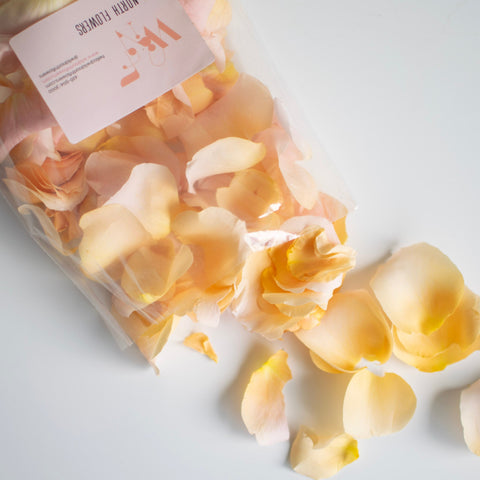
[[197, 203]]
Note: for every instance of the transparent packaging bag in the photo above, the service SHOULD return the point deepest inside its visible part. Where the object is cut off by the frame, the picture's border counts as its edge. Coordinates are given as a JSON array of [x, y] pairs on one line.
[[214, 196]]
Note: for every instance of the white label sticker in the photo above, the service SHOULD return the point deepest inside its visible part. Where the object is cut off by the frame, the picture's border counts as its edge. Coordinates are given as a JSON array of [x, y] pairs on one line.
[[96, 61]]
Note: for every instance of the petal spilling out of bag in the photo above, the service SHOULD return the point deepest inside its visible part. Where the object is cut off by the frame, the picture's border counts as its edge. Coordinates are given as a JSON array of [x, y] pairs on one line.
[[263, 404], [200, 342], [470, 416], [318, 457], [376, 406]]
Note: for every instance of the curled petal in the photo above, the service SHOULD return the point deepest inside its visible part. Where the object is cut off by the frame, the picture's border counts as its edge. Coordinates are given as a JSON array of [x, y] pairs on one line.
[[219, 235], [470, 416], [223, 156], [151, 195], [318, 457], [352, 329], [418, 288], [200, 343], [193, 93], [151, 271], [110, 233], [452, 342], [376, 406], [245, 110], [16, 15], [263, 405]]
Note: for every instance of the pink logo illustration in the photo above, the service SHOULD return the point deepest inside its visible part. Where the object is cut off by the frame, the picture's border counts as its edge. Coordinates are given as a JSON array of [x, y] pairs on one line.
[[150, 43]]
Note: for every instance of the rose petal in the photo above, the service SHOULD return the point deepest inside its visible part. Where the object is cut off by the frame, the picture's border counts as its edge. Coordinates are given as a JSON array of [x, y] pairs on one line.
[[193, 93], [470, 416], [151, 195], [376, 406], [219, 236], [318, 457], [353, 328], [223, 156], [201, 343], [151, 271], [244, 111], [263, 405], [418, 288], [110, 233]]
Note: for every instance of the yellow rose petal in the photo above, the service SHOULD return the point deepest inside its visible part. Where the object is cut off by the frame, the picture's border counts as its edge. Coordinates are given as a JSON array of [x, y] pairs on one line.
[[263, 405], [376, 406], [320, 458], [353, 328], [418, 288], [470, 416], [200, 342]]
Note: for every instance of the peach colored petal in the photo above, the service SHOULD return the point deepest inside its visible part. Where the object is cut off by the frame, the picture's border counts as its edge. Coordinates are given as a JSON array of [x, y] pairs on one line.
[[470, 416], [223, 156], [220, 82], [245, 110], [21, 114], [318, 457], [193, 93], [110, 233], [352, 329], [376, 406], [86, 146], [219, 238], [150, 338], [198, 11], [137, 124], [16, 15], [150, 193], [36, 148], [201, 343], [418, 288], [151, 271], [48, 230], [251, 194], [263, 405]]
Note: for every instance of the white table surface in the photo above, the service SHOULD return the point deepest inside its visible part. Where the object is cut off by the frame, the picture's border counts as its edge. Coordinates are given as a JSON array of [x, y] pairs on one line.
[[391, 90]]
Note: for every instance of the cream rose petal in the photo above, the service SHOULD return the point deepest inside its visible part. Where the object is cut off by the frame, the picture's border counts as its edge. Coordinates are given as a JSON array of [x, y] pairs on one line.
[[318, 457], [226, 155], [200, 342], [376, 406], [150, 194], [353, 329], [263, 404], [418, 288], [470, 416], [110, 233]]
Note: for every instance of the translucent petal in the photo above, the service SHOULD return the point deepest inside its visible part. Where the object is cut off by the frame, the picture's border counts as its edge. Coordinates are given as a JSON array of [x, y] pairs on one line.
[[418, 288], [250, 195], [470, 416], [353, 328], [150, 193], [245, 110], [318, 457], [200, 342], [110, 233], [263, 405], [223, 156], [151, 271], [376, 406], [194, 93], [219, 236]]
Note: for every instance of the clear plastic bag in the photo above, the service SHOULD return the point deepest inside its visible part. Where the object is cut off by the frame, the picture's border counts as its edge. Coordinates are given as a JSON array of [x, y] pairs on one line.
[[197, 202]]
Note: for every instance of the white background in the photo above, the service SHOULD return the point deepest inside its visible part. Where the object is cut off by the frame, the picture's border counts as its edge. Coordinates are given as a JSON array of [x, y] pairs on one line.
[[391, 90]]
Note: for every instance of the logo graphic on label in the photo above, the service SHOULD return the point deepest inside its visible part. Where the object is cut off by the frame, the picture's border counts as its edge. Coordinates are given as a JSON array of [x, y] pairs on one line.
[[95, 62], [150, 43]]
